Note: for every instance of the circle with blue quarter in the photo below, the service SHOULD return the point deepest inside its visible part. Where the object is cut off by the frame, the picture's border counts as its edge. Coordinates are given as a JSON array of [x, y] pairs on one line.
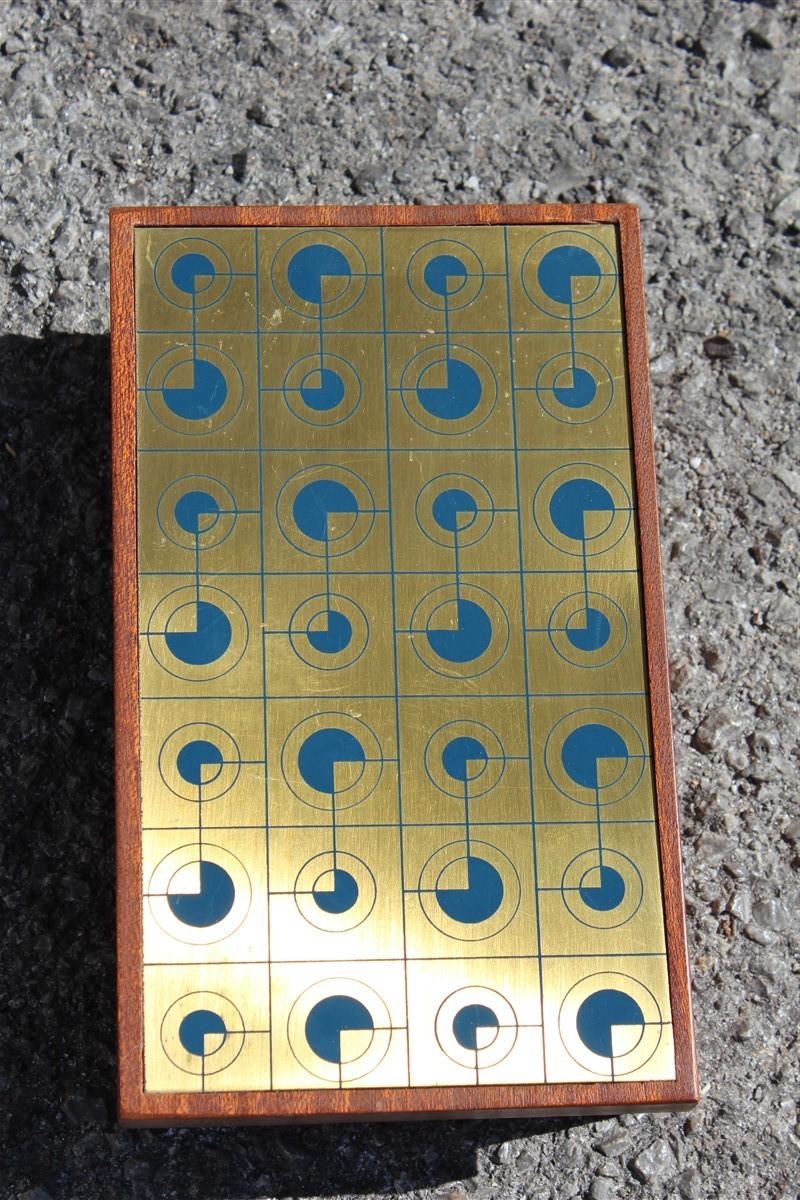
[[199, 762], [325, 511], [197, 632], [202, 1033], [574, 388], [476, 1027], [322, 392], [335, 892], [339, 1030], [582, 509], [570, 275], [329, 631], [194, 391], [595, 756], [196, 512], [588, 629], [610, 1024], [199, 896], [469, 892], [602, 888], [319, 273], [445, 274], [193, 273], [459, 630], [449, 390], [454, 509], [464, 759], [332, 761]]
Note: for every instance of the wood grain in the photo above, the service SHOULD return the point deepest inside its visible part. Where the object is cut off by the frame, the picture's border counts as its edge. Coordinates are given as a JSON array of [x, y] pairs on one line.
[[136, 1107]]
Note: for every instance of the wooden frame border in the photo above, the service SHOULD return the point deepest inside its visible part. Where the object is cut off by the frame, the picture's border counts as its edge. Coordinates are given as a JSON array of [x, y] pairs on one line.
[[137, 1107]]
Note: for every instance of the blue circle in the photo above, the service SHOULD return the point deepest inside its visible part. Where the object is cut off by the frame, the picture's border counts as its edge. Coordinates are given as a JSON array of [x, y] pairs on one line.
[[208, 906], [460, 394], [593, 635], [608, 894], [190, 267], [195, 1026], [468, 1020], [192, 508], [309, 267], [572, 500], [450, 507], [341, 897], [440, 272], [315, 502], [560, 266], [329, 1019], [580, 393], [335, 638], [194, 757], [320, 753], [600, 1013], [479, 900], [586, 747], [207, 642], [459, 754], [326, 393], [469, 640], [206, 395]]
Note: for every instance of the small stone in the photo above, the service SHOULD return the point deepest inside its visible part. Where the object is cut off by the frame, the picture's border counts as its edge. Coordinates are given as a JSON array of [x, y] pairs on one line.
[[618, 57], [472, 183], [712, 847], [747, 151], [602, 1189], [617, 1143], [506, 1153], [787, 209], [663, 366], [42, 106], [35, 1193], [492, 10], [791, 833], [516, 191], [772, 914], [605, 112], [719, 347], [708, 734], [753, 933], [765, 36], [689, 1184], [652, 1162]]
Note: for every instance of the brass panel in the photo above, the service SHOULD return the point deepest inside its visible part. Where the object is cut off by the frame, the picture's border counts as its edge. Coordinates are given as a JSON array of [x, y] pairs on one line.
[[397, 798]]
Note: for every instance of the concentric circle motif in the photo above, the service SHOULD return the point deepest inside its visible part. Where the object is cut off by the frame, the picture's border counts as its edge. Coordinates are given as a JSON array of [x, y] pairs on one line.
[[594, 756], [459, 630], [449, 390], [469, 893], [329, 631], [464, 759], [199, 762], [325, 511], [322, 391], [610, 1024], [194, 392], [199, 896], [332, 760], [454, 509], [193, 272], [339, 1030], [197, 633], [476, 1027], [574, 388], [445, 274], [604, 890], [319, 273], [588, 629], [202, 1033], [569, 275], [335, 892], [582, 509], [196, 512]]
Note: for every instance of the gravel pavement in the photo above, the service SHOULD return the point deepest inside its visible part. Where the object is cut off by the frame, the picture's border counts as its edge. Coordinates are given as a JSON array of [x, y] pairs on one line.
[[683, 107]]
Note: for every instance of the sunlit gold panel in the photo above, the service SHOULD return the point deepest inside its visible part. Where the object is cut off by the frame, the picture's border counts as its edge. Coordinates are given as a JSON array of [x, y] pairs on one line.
[[397, 798]]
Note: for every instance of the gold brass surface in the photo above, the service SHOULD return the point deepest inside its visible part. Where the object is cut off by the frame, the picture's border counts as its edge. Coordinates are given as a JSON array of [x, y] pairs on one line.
[[396, 793]]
